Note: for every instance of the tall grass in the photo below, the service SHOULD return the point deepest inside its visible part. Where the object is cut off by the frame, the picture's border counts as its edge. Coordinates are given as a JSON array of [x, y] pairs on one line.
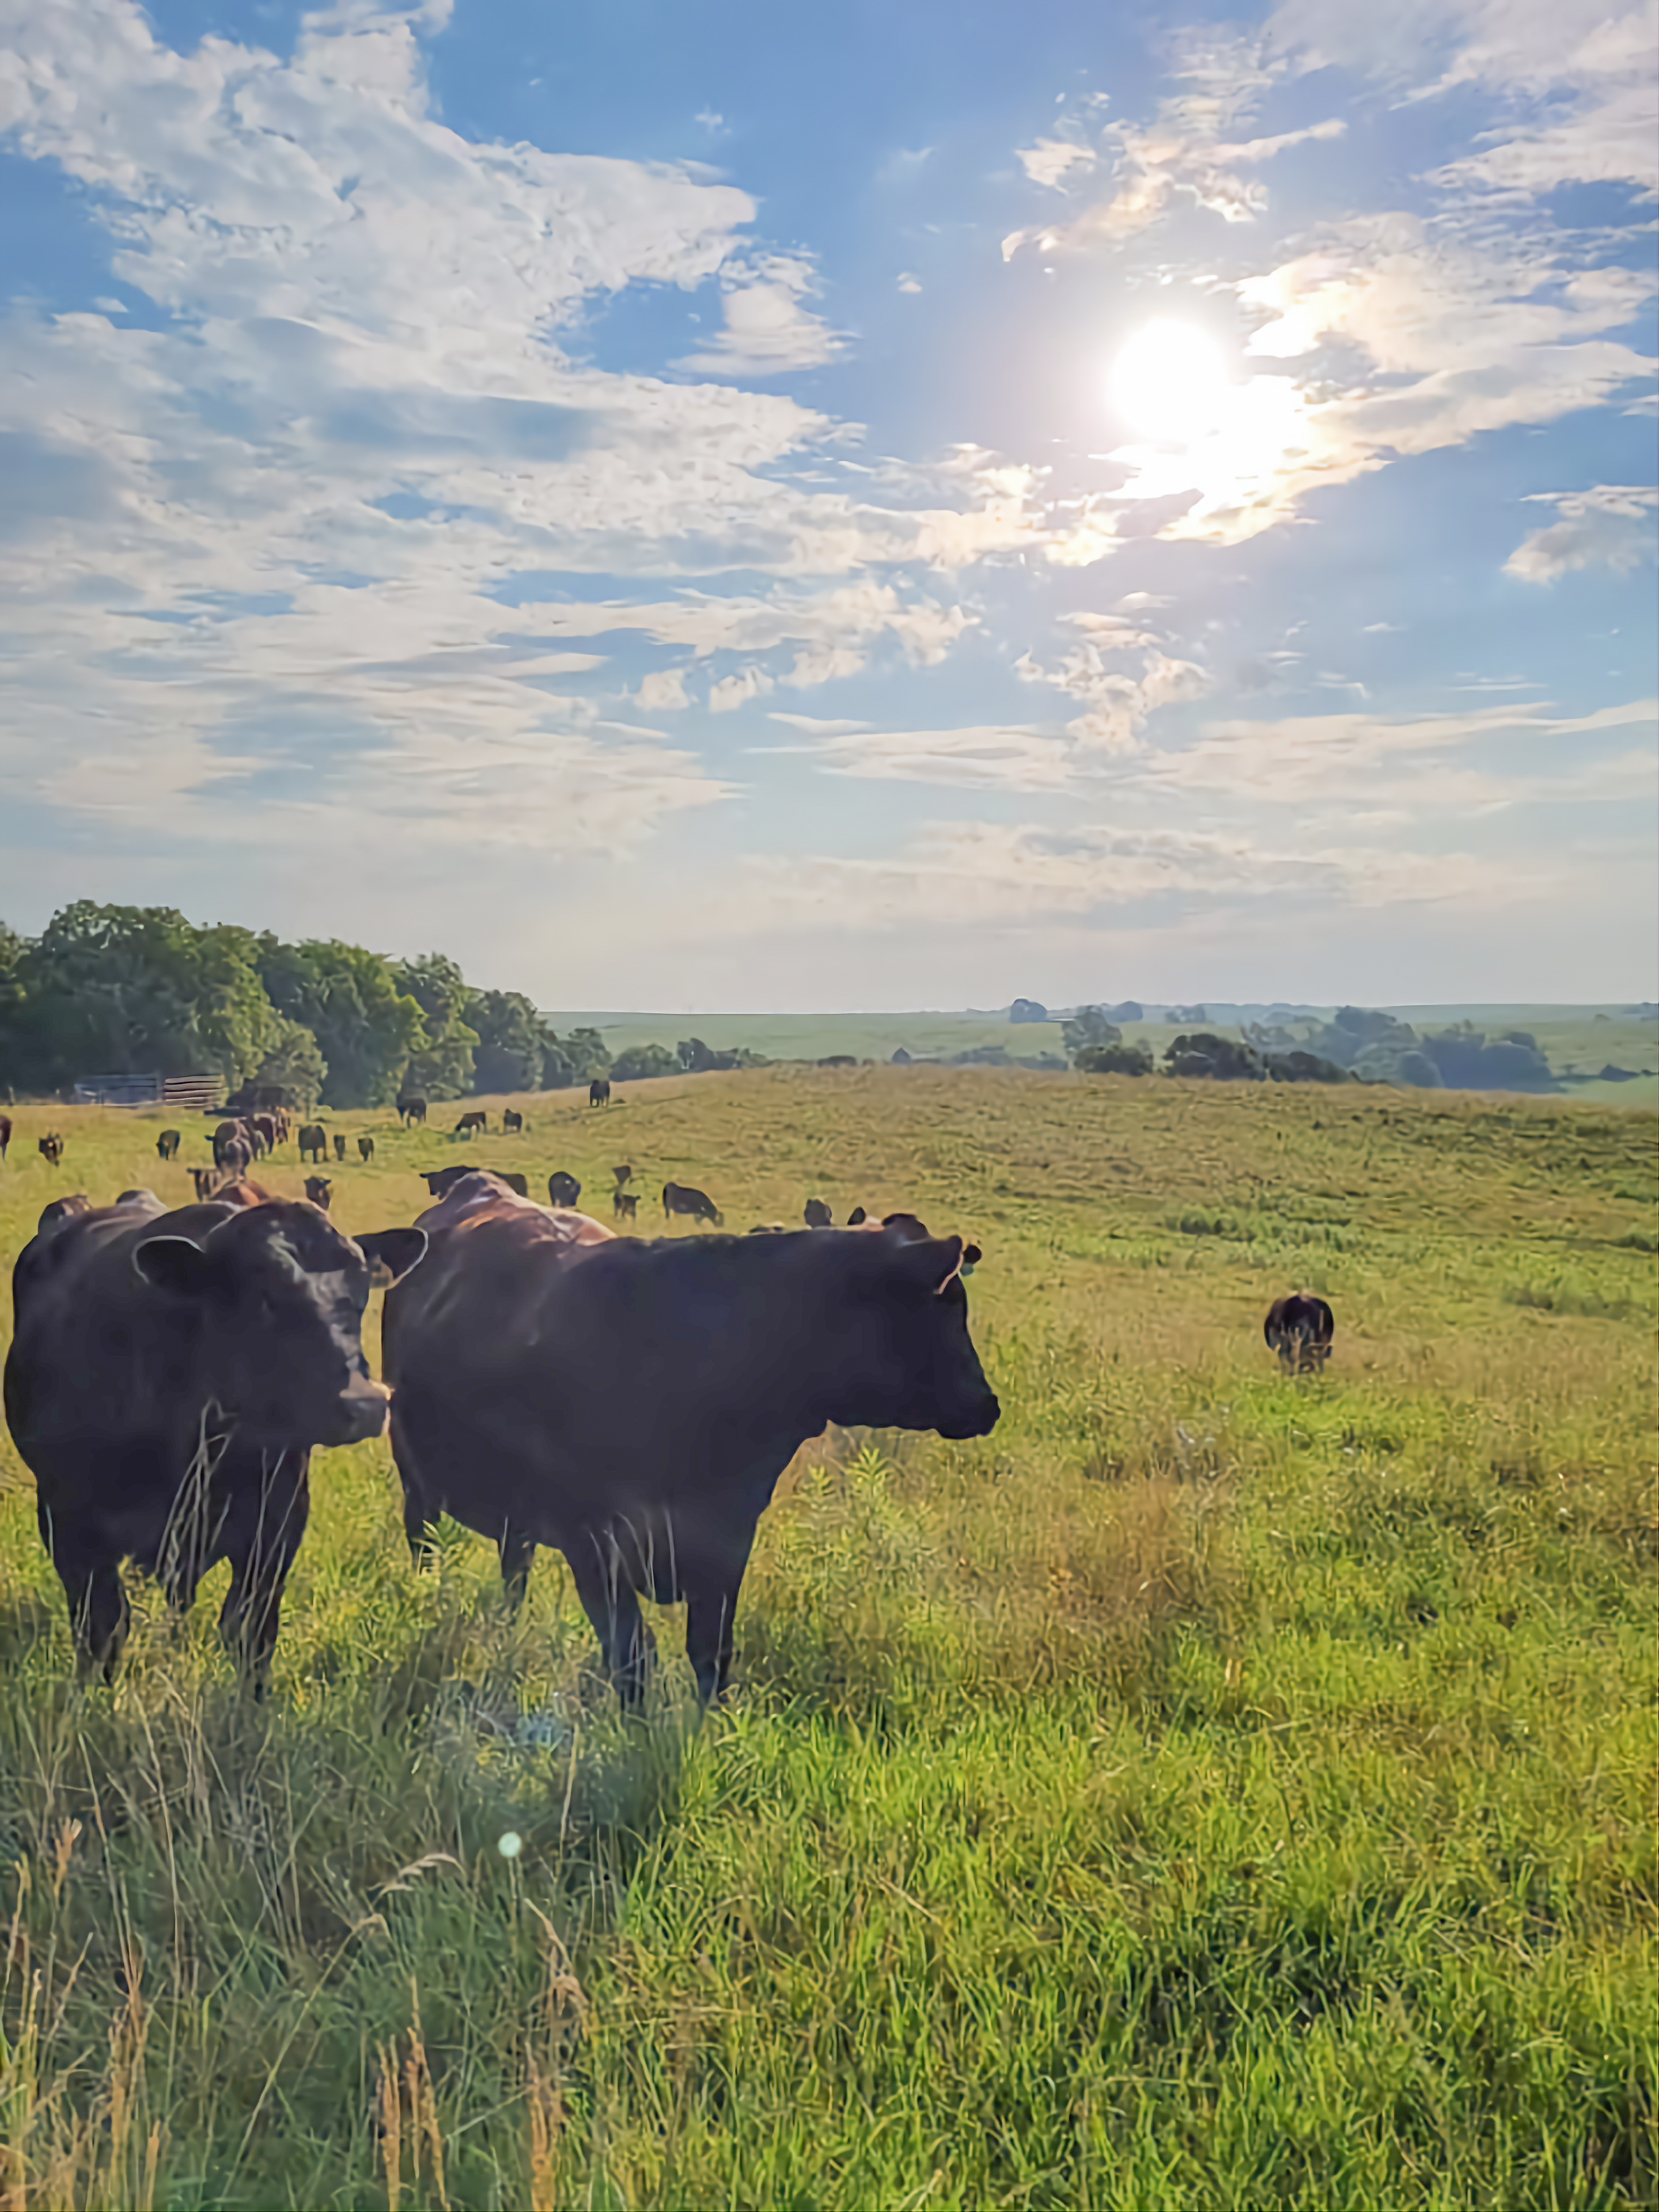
[[1211, 1789]]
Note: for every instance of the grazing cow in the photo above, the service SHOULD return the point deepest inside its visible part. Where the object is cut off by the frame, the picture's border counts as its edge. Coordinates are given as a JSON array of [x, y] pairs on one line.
[[313, 1143], [562, 1190], [169, 1374], [512, 1120], [515, 1354], [623, 1175], [440, 1180], [167, 1143], [469, 1124], [1299, 1328], [625, 1205], [365, 1149], [599, 1091], [318, 1189], [50, 1149], [680, 1198], [818, 1215], [411, 1108], [5, 1136]]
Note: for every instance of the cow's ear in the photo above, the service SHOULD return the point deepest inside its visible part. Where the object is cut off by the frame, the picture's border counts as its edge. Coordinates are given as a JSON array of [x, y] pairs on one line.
[[391, 1253], [173, 1264], [934, 1263], [971, 1256]]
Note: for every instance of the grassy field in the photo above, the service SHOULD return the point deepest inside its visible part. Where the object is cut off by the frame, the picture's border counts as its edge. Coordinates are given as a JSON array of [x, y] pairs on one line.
[[1578, 1040], [1211, 1790]]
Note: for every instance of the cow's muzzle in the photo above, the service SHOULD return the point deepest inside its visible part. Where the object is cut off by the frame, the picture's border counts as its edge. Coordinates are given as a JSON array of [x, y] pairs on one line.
[[978, 1420], [360, 1412]]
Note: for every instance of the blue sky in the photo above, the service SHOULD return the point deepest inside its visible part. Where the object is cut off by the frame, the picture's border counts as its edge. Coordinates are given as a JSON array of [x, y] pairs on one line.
[[716, 506]]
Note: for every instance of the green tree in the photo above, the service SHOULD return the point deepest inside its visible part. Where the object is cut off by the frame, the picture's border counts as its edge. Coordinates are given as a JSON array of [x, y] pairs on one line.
[[588, 1054], [637, 1062], [1086, 1029], [366, 1028], [441, 1065], [135, 990], [512, 1041]]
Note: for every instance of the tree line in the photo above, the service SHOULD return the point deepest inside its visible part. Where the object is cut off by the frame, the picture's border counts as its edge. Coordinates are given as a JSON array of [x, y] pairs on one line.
[[1357, 1044], [116, 990]]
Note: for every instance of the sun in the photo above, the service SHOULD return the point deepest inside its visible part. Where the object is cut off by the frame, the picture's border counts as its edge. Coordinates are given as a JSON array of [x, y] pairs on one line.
[[1171, 384]]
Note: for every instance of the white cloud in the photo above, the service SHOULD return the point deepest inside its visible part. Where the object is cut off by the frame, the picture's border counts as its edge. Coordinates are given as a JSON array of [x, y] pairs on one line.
[[908, 282], [1611, 526], [1116, 701], [663, 692], [1051, 160], [734, 691], [1001, 757], [768, 332]]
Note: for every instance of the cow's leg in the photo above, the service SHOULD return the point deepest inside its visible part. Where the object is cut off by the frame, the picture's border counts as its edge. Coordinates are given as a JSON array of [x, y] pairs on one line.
[[711, 1586], [421, 1507], [98, 1609], [625, 1642], [262, 1541], [518, 1554]]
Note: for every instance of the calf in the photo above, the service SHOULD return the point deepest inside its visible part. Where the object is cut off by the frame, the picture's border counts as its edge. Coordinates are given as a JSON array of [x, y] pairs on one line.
[[470, 1123], [1299, 1328], [599, 1091], [318, 1190], [50, 1149], [168, 1377], [818, 1215], [680, 1198], [515, 1354], [167, 1143], [512, 1120], [313, 1143], [365, 1149], [562, 1190], [625, 1205]]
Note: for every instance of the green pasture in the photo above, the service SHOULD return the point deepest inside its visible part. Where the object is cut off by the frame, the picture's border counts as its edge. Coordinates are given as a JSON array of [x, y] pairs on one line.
[[1211, 1790]]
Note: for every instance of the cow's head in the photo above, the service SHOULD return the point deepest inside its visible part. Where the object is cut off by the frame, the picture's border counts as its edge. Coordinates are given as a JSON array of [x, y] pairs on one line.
[[902, 1355], [279, 1293]]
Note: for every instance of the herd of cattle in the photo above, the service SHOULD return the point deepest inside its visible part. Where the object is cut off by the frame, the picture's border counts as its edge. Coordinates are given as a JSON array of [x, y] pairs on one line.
[[631, 1403]]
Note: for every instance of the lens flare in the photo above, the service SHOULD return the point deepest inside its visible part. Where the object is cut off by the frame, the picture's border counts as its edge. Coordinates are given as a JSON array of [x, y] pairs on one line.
[[1171, 384]]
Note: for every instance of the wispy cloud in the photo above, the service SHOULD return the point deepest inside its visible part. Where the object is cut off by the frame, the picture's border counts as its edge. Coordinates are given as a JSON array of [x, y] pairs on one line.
[[1611, 526], [768, 331]]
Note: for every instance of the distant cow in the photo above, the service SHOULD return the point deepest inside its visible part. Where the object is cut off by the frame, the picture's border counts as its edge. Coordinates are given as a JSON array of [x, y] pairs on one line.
[[438, 1181], [253, 1138], [169, 1374], [269, 1130], [514, 1354], [512, 1120], [5, 1136], [411, 1108], [562, 1190], [470, 1123], [1299, 1328], [339, 1145], [625, 1205], [313, 1143], [365, 1149], [818, 1215], [167, 1143], [229, 1133], [232, 1158], [50, 1149], [599, 1091], [319, 1189], [623, 1175], [680, 1198]]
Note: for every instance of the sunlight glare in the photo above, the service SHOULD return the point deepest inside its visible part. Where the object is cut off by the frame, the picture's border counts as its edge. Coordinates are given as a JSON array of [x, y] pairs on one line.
[[1170, 383]]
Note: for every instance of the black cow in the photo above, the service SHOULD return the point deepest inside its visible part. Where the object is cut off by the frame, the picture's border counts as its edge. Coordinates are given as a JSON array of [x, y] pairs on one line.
[[228, 1134], [470, 1123], [680, 1198], [365, 1149], [232, 1158], [562, 1190], [623, 1175], [5, 1136], [515, 1354], [438, 1181], [599, 1091], [50, 1149], [511, 1121], [1299, 1328], [625, 1204], [167, 1143], [313, 1143], [319, 1190], [339, 1145], [167, 1379], [818, 1215], [411, 1108]]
